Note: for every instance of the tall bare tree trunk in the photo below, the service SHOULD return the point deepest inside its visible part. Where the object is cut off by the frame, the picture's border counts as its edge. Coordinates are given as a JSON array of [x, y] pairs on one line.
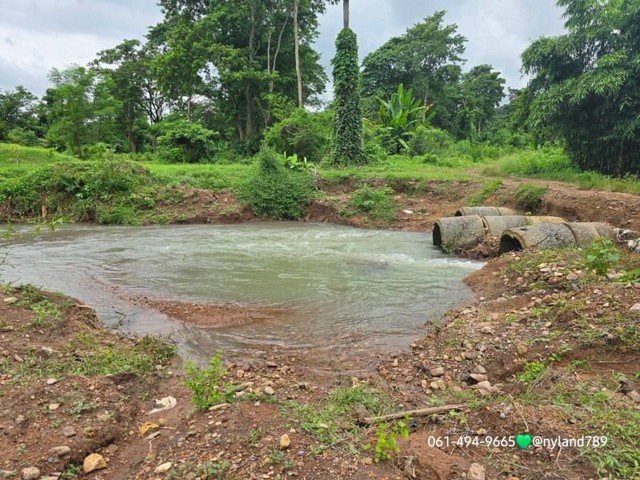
[[345, 13], [296, 47]]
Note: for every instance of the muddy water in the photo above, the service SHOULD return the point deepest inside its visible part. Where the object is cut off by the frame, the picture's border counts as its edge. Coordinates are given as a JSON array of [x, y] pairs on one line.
[[342, 288]]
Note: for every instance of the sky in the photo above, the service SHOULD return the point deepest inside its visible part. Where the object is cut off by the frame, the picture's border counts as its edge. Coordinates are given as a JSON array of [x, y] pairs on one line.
[[38, 35]]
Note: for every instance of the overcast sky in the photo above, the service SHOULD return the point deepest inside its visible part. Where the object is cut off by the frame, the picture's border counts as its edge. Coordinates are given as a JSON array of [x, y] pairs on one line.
[[37, 35]]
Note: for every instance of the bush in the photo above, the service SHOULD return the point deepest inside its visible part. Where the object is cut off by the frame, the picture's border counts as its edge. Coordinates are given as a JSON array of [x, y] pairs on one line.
[[275, 192], [529, 197], [601, 255], [182, 141], [426, 141], [376, 202], [205, 383], [304, 134]]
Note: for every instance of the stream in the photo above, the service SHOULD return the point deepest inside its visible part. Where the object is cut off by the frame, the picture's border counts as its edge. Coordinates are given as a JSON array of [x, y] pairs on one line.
[[343, 289]]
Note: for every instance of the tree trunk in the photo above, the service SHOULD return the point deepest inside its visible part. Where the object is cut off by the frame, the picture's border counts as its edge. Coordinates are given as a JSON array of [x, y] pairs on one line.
[[345, 13], [296, 47]]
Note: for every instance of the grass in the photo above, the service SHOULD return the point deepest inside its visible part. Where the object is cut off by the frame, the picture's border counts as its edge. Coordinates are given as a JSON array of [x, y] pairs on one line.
[[334, 421]]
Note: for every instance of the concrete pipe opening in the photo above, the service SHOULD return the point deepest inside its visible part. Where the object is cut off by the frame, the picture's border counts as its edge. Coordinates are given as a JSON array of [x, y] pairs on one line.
[[509, 244], [451, 233]]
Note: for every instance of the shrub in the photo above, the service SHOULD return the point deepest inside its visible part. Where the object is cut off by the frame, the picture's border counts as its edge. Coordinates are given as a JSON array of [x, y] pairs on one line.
[[529, 197], [276, 192], [182, 141], [304, 134], [205, 383], [429, 141]]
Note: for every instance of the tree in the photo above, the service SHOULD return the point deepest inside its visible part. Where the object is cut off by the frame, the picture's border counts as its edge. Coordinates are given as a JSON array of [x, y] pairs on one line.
[[482, 90], [347, 147], [426, 58], [17, 111], [585, 85], [70, 108]]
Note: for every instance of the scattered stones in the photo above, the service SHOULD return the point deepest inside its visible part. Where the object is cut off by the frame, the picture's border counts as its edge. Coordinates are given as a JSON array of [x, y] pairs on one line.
[[479, 377], [20, 419], [484, 388], [521, 349], [634, 395], [30, 473], [51, 381], [68, 432], [479, 369], [164, 468], [470, 355], [10, 300], [53, 407], [635, 308], [285, 441], [437, 372], [269, 391], [93, 462], [7, 473]]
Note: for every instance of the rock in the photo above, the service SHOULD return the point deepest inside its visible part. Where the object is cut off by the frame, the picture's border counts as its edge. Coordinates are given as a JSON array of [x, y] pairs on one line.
[[470, 355], [30, 473], [7, 473], [146, 427], [164, 468], [53, 407], [68, 432], [60, 451], [635, 308], [486, 330], [476, 472], [166, 403], [484, 388], [269, 391], [521, 349], [285, 441], [634, 395], [437, 372], [20, 419], [51, 381], [10, 300], [93, 462], [479, 369], [479, 377]]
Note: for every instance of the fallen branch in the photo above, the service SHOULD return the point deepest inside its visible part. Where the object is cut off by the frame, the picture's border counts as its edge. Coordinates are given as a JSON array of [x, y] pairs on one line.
[[423, 412]]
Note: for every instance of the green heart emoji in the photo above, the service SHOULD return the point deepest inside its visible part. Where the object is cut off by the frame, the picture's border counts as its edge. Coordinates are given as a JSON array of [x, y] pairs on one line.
[[523, 440]]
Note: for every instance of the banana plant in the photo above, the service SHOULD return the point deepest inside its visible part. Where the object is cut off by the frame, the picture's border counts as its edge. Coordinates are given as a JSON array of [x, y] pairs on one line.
[[401, 114]]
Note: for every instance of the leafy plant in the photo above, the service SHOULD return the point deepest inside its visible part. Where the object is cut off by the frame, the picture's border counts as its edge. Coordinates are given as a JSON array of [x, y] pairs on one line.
[[488, 189], [401, 114], [184, 141], [205, 384], [601, 255], [387, 439]]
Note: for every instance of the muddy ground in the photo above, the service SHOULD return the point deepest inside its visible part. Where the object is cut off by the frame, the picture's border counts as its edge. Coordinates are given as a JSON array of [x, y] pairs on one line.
[[547, 348]]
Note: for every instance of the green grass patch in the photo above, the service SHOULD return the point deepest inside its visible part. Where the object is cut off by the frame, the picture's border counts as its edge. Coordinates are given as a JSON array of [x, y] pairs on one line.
[[529, 196], [488, 189], [377, 203]]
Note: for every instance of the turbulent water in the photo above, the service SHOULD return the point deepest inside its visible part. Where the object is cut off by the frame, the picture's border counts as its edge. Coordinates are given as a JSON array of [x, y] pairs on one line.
[[343, 288]]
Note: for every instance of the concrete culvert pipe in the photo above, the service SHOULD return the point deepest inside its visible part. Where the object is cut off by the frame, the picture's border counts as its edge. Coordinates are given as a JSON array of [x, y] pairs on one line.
[[450, 233], [542, 235], [484, 211], [587, 232], [494, 226]]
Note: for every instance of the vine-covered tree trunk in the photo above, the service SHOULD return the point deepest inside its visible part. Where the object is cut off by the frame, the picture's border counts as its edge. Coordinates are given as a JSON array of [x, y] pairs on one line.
[[347, 147], [296, 48], [345, 13]]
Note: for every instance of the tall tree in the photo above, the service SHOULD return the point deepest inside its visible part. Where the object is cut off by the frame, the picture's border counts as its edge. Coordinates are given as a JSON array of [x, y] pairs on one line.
[[347, 145], [585, 85], [426, 58], [482, 90]]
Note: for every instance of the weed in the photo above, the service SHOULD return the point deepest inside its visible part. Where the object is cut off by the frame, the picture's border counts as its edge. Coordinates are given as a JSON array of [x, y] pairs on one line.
[[205, 384], [375, 202], [81, 407], [72, 471], [601, 256], [488, 189], [387, 439], [579, 364], [531, 372], [529, 196], [213, 470]]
